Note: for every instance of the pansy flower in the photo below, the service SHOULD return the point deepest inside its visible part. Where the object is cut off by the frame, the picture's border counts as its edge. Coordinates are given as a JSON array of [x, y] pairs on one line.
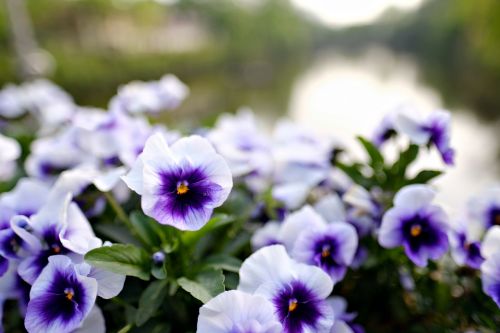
[[465, 250], [302, 161], [150, 97], [238, 312], [59, 228], [385, 130], [10, 152], [431, 129], [182, 184], [60, 299], [297, 291], [484, 209], [245, 148], [490, 269], [416, 224], [311, 240]]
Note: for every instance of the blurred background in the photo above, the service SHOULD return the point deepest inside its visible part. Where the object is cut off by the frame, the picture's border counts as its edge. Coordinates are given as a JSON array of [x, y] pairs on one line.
[[335, 66]]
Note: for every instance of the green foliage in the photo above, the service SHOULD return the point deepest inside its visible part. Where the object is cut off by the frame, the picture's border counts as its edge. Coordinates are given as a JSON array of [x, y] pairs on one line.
[[207, 285], [151, 300], [124, 259], [379, 174]]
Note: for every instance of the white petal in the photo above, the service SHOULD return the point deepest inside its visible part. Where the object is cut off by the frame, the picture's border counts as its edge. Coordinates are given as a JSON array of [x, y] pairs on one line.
[[415, 196], [331, 208], [195, 148], [156, 154], [411, 126], [491, 242], [107, 180], [270, 263], [94, 323], [237, 309], [295, 223], [134, 178], [341, 327], [109, 284]]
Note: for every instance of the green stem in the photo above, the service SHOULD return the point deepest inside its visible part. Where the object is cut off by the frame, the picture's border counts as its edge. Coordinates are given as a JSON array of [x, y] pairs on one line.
[[120, 213]]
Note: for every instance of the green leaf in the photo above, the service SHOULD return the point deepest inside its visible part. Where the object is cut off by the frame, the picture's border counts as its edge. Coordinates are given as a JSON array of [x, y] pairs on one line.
[[224, 262], [425, 176], [406, 157], [121, 259], [354, 172], [208, 284], [376, 158], [150, 301], [148, 229]]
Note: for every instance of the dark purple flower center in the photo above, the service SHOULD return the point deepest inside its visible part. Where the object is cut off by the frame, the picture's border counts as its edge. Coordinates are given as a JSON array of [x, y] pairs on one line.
[[10, 243], [494, 216], [325, 250], [65, 298], [297, 307], [419, 232], [186, 188], [49, 169]]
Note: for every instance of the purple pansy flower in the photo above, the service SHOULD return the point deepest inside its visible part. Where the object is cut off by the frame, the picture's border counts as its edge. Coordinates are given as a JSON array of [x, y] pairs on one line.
[[60, 299], [484, 209], [331, 247], [385, 130], [59, 228], [297, 291], [10, 152], [266, 235], [150, 97], [417, 225], [464, 250], [247, 150], [490, 269], [311, 240], [182, 184], [431, 129], [241, 313]]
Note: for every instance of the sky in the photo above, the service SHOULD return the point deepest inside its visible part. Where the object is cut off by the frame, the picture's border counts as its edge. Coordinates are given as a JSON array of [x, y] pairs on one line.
[[351, 12]]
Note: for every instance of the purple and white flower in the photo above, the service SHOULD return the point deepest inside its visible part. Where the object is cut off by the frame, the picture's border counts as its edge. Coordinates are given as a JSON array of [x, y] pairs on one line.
[[58, 228], [150, 97], [10, 152], [425, 130], [245, 148], [311, 240], [238, 312], [385, 130], [484, 209], [182, 184], [297, 291], [416, 224], [266, 235], [60, 299], [302, 161], [490, 269], [465, 250]]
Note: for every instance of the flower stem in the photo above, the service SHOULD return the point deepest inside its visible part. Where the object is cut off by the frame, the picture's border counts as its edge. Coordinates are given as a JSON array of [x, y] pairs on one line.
[[118, 210]]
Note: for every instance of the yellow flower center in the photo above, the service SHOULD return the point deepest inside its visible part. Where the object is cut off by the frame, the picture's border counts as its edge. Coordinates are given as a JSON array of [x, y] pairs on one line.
[[69, 293], [56, 249], [182, 188], [292, 305], [416, 230], [325, 253]]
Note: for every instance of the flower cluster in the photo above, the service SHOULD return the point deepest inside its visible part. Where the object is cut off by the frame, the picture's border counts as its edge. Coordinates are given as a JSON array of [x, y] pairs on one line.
[[273, 231]]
